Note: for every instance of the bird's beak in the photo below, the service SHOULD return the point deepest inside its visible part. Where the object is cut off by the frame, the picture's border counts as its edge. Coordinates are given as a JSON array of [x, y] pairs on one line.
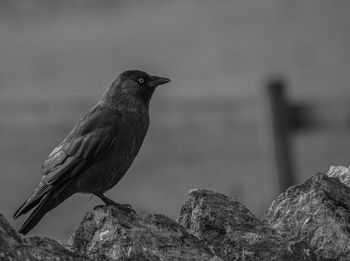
[[156, 81]]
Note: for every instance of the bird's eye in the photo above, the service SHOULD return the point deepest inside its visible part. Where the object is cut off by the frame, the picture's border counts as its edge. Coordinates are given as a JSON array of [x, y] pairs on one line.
[[141, 80]]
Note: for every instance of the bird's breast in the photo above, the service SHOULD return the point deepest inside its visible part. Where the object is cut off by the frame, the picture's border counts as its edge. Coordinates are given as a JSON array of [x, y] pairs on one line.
[[106, 173]]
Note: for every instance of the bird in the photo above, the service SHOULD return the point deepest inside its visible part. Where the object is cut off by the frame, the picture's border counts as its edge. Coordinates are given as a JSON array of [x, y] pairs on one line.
[[99, 150]]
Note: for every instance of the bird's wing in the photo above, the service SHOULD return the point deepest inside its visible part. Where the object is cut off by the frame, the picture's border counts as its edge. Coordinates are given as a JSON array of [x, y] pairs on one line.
[[90, 139]]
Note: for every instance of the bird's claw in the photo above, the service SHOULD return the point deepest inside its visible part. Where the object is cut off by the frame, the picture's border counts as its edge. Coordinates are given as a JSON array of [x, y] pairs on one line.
[[98, 206], [126, 207]]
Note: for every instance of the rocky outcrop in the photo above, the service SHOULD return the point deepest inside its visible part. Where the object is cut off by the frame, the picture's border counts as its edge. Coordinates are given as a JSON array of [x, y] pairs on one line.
[[316, 211], [343, 173], [15, 247], [310, 221], [112, 234], [234, 233]]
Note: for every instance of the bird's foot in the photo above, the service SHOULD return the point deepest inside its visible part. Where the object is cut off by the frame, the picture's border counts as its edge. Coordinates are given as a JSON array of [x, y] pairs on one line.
[[98, 206], [125, 207]]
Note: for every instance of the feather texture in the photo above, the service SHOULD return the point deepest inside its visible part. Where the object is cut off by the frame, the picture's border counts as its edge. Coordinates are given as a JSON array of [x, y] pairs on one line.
[[90, 139], [100, 148]]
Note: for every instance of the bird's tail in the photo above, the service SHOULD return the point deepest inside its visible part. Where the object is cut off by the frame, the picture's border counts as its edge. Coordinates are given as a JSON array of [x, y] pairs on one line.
[[36, 215], [26, 206], [49, 201]]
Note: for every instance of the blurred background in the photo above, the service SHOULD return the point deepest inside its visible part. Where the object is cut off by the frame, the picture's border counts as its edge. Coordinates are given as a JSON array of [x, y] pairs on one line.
[[208, 126]]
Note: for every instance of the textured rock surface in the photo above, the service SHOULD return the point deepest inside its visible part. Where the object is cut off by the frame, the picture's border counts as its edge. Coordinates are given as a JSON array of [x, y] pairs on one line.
[[343, 173], [15, 247], [317, 211], [233, 232], [310, 221], [110, 233]]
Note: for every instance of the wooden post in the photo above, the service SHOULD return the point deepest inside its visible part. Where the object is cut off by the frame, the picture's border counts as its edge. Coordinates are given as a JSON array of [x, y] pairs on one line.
[[279, 128]]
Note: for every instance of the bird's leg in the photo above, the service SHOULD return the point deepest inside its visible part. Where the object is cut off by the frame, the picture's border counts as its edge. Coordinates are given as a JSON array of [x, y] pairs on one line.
[[109, 202], [106, 200]]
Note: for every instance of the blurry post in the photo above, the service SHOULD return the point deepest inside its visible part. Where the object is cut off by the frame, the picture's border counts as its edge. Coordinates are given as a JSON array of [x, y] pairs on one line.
[[278, 120]]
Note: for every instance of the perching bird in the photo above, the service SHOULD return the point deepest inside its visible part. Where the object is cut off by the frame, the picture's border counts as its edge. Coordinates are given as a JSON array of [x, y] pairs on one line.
[[100, 148]]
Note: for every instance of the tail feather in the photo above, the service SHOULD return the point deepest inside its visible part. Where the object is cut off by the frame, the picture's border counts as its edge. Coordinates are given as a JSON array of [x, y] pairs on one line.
[[36, 215], [25, 207], [18, 211], [48, 201]]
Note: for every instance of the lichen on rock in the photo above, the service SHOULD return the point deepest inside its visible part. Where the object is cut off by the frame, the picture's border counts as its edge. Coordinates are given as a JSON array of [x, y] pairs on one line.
[[310, 221], [316, 211], [233, 232], [116, 235]]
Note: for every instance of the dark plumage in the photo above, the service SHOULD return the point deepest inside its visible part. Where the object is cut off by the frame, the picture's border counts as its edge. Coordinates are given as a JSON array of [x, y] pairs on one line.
[[100, 148]]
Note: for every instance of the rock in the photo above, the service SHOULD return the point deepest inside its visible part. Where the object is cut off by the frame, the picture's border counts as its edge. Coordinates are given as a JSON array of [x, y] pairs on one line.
[[316, 211], [233, 232], [112, 234], [15, 247], [310, 221], [343, 173]]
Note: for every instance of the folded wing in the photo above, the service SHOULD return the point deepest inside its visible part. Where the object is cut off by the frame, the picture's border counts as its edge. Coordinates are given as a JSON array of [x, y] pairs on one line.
[[90, 139]]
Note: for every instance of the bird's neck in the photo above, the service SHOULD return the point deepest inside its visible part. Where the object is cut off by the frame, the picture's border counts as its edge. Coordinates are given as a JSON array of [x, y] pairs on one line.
[[121, 100]]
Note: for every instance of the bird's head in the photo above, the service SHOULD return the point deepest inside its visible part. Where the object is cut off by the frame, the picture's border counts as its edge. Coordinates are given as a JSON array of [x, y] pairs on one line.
[[133, 86]]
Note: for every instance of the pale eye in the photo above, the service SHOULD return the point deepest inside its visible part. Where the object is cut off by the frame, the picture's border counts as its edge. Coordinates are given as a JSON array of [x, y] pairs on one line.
[[141, 80]]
